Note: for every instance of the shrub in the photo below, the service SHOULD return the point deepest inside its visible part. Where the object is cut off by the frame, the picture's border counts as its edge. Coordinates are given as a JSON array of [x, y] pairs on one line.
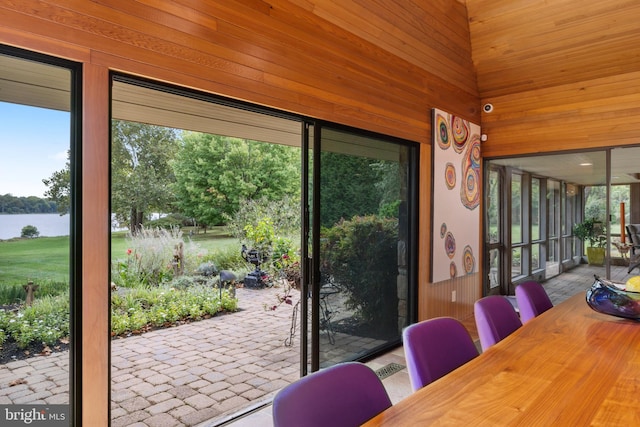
[[14, 293], [134, 311], [149, 258], [207, 269], [183, 282], [361, 257], [228, 258], [260, 236], [283, 214], [29, 231], [142, 308], [170, 221], [46, 321], [11, 294]]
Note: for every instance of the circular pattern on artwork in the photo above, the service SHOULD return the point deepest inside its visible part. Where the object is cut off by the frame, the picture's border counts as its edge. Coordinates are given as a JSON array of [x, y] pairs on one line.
[[470, 188], [450, 175], [443, 132], [460, 132], [468, 260], [443, 230], [453, 270], [450, 244], [474, 151]]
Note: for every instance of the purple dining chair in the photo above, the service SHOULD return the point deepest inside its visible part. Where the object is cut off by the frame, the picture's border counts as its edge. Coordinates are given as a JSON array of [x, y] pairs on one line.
[[495, 319], [343, 395], [532, 300], [435, 347]]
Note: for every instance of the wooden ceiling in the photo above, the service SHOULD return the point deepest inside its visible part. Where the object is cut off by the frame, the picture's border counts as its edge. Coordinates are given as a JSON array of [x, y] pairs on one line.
[[524, 45]]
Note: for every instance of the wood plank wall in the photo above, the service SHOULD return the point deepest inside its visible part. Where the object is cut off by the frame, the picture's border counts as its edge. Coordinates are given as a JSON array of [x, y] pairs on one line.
[[561, 75], [383, 72], [589, 114]]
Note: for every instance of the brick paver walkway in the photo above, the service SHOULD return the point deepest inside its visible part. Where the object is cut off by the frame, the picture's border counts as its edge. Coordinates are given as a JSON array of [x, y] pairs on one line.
[[179, 376], [195, 372]]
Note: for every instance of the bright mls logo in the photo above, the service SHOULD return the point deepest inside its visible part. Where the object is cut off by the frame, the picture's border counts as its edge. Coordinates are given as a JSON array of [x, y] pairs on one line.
[[35, 415]]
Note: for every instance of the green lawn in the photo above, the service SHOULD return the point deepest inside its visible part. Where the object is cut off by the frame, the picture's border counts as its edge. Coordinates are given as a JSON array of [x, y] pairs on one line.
[[47, 258], [43, 258]]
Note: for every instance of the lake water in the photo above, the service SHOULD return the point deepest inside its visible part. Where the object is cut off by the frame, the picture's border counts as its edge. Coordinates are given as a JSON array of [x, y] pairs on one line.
[[47, 224]]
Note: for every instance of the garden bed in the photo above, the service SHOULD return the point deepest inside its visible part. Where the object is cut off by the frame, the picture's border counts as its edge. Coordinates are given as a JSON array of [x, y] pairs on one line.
[[11, 352]]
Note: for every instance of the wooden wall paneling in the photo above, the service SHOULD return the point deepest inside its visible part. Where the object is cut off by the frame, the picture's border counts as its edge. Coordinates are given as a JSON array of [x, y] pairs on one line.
[[438, 298], [435, 299], [46, 45], [424, 239], [576, 96], [357, 118], [590, 114], [342, 69], [96, 222]]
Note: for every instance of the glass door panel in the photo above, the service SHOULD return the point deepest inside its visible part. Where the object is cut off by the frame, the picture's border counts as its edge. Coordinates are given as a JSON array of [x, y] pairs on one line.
[[360, 295], [552, 267], [535, 209], [493, 230], [37, 236], [516, 208]]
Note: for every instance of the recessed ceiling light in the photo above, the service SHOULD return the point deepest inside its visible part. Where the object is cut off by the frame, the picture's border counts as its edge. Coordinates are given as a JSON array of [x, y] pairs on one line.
[[586, 164]]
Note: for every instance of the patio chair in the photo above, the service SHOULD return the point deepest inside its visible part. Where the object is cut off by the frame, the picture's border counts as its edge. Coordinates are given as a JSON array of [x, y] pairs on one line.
[[633, 231], [435, 347], [495, 319], [343, 395]]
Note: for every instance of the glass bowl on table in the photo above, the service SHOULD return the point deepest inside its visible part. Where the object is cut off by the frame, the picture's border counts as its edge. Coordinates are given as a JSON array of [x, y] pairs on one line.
[[615, 299]]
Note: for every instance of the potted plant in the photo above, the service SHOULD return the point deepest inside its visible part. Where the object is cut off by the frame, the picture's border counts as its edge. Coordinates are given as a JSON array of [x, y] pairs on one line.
[[593, 232]]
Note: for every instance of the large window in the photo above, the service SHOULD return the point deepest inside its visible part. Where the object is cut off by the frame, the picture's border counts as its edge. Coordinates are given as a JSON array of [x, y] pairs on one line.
[[38, 233], [546, 197]]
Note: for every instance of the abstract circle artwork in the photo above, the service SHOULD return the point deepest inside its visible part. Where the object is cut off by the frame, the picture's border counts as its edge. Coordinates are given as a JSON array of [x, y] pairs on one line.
[[468, 260], [443, 132], [470, 188], [460, 132], [456, 195], [450, 244], [450, 175], [453, 270]]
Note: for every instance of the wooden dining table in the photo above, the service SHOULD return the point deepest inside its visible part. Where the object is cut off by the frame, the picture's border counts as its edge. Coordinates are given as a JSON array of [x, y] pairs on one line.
[[570, 366]]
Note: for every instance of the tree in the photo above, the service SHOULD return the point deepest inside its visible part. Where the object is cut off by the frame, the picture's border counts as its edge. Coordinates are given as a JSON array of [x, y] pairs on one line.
[[59, 187], [348, 187], [390, 176], [29, 231], [25, 205], [141, 177], [215, 173]]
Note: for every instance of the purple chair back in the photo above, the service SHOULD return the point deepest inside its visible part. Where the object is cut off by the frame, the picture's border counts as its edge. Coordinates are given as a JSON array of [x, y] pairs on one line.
[[532, 300], [435, 347], [343, 395], [495, 319]]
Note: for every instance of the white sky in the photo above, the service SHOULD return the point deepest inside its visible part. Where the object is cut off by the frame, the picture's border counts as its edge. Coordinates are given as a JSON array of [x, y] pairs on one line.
[[33, 145]]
